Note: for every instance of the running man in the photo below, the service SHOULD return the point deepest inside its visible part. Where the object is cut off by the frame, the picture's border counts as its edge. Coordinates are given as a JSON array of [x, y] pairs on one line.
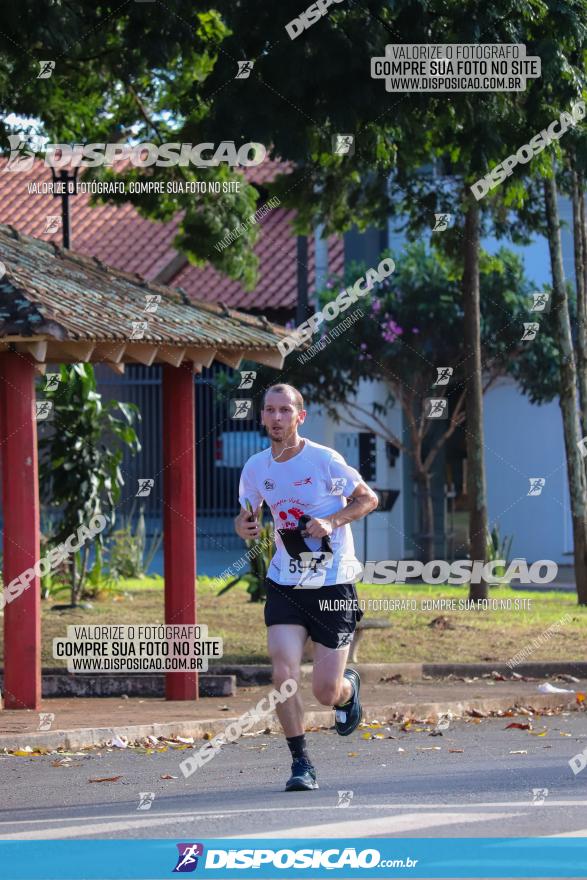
[[313, 495]]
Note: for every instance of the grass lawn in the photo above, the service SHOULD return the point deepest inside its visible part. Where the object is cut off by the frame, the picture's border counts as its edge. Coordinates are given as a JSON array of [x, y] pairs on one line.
[[492, 635]]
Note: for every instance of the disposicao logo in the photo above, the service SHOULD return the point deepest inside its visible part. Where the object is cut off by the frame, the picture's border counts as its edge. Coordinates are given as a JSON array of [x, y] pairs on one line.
[[187, 859], [141, 155]]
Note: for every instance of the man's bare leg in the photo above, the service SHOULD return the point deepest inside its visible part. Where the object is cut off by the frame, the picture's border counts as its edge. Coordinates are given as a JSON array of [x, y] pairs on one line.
[[335, 684], [328, 684], [286, 645]]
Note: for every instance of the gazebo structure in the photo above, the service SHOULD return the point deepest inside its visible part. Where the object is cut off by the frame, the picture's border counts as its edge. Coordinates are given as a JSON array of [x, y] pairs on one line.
[[59, 307]]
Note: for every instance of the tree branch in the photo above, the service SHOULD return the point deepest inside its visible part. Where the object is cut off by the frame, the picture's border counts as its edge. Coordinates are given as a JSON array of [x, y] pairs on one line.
[[456, 419], [143, 111]]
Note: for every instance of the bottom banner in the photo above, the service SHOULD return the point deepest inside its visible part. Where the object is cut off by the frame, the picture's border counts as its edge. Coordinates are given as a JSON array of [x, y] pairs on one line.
[[259, 858]]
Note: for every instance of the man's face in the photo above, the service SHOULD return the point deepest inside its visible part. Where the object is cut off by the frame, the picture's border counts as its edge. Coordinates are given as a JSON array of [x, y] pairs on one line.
[[280, 416]]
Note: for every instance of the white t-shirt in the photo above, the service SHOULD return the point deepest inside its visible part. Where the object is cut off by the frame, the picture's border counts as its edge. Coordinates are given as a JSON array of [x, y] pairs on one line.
[[314, 482]]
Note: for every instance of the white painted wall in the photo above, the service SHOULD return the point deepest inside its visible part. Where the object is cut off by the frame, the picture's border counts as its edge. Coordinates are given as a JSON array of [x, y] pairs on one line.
[[523, 441], [385, 531]]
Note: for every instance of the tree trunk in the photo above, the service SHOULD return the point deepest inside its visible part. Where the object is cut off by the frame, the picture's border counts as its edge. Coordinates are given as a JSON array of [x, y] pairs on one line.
[[73, 574], [568, 389], [578, 242], [476, 490], [425, 506]]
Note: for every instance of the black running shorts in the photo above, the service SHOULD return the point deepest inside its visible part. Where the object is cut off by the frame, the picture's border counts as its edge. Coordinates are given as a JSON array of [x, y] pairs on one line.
[[329, 614]]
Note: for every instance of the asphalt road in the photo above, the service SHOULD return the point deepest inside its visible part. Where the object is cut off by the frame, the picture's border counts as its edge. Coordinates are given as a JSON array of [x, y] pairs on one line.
[[483, 791]]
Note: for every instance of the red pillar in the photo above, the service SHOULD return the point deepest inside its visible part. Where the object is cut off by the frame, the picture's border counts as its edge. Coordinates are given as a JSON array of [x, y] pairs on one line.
[[20, 498], [179, 513]]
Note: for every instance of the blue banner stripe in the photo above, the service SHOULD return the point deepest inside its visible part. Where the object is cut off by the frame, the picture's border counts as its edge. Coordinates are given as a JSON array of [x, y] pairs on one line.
[[263, 858]]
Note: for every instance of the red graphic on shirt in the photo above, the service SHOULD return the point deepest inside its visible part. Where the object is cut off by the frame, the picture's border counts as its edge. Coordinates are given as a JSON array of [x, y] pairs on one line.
[[307, 481], [296, 512]]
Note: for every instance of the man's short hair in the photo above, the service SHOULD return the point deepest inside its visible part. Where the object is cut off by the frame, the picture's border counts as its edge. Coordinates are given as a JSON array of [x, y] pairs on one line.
[[298, 400]]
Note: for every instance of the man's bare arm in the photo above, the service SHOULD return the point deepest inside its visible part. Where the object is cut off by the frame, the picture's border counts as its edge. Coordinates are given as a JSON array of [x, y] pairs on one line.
[[362, 501]]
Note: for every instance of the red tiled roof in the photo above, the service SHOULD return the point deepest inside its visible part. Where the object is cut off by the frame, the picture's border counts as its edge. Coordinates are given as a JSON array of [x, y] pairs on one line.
[[277, 275], [121, 238]]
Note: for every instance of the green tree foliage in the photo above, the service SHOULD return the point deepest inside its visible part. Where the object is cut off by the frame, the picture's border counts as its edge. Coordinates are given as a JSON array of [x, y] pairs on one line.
[[80, 458]]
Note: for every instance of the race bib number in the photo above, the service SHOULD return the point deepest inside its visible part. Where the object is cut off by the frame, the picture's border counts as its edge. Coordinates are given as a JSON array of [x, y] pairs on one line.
[[310, 569]]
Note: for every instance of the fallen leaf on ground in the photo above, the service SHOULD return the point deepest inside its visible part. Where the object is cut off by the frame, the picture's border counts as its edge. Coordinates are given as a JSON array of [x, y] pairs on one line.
[[580, 697], [406, 725], [106, 779], [353, 754], [456, 750], [441, 623], [547, 688], [477, 713], [23, 753], [519, 726], [562, 733], [168, 776], [539, 733]]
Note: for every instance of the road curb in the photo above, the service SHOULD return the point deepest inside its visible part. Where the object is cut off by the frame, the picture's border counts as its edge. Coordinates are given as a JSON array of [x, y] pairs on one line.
[[98, 736], [260, 674], [220, 679]]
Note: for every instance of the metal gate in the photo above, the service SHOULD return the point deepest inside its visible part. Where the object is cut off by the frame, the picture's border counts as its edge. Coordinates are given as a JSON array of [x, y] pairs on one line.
[[223, 444]]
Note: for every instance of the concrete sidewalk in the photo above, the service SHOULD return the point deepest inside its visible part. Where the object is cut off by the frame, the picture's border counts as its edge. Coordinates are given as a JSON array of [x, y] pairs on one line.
[[82, 722]]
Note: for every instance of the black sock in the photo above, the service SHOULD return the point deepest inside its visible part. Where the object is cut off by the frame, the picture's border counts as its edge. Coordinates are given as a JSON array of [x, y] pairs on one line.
[[297, 746]]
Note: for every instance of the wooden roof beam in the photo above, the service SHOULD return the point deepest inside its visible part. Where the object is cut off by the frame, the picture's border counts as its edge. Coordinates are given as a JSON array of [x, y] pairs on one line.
[[268, 357], [109, 352], [75, 352], [142, 353], [169, 354], [36, 348], [116, 368], [230, 358], [203, 357]]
